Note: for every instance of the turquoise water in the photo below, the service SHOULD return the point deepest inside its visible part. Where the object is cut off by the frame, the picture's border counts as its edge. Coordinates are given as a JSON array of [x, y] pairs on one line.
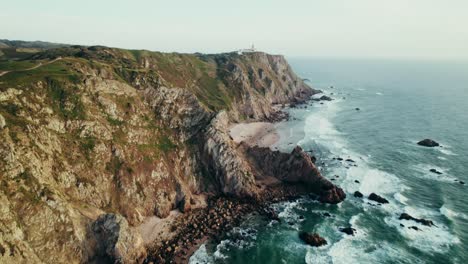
[[401, 102]]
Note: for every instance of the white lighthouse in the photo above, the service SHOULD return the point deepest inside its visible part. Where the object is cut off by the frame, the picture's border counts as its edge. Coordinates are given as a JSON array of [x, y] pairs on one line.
[[249, 50]]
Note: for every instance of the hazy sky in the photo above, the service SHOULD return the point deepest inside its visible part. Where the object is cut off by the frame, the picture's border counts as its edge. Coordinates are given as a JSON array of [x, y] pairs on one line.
[[351, 28]]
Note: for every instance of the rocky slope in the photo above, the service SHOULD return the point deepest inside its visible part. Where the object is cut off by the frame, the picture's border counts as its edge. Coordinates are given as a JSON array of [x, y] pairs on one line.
[[100, 138]]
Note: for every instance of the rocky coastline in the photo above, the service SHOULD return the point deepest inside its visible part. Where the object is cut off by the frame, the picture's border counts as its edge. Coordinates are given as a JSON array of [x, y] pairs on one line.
[[294, 175], [212, 222], [102, 139]]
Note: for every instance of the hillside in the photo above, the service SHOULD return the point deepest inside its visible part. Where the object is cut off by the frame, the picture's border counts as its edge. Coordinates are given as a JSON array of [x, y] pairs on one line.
[[95, 134]]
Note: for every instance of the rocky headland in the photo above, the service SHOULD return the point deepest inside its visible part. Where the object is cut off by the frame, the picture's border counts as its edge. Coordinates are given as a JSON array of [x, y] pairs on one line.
[[98, 141]]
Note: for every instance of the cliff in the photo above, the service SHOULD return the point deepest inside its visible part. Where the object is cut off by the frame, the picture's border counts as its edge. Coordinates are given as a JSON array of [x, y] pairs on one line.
[[95, 139]]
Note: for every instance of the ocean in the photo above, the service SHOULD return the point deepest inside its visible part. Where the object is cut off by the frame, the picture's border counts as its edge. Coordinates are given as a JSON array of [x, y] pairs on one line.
[[400, 103]]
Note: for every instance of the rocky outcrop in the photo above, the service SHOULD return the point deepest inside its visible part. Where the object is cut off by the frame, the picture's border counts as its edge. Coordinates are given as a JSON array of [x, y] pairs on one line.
[[226, 162], [312, 239], [358, 194], [377, 198], [179, 110], [294, 167], [116, 241], [405, 216], [428, 143], [263, 80], [348, 230], [325, 98]]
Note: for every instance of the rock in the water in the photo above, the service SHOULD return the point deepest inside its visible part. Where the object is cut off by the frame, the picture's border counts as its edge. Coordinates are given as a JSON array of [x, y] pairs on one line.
[[348, 230], [326, 98], [435, 171], [405, 216], [461, 182], [377, 198], [428, 143], [358, 194], [356, 181], [414, 227], [117, 241], [357, 109], [312, 239]]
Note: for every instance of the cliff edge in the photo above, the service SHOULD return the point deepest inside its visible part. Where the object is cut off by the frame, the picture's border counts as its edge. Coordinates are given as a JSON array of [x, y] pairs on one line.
[[96, 139]]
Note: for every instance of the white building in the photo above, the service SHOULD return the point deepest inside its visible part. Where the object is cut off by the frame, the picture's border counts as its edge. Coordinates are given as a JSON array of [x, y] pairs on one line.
[[251, 49]]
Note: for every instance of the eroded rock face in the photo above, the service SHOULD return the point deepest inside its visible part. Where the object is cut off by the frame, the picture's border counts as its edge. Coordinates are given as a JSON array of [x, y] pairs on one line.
[[116, 241], [227, 163], [263, 80], [294, 167], [179, 109]]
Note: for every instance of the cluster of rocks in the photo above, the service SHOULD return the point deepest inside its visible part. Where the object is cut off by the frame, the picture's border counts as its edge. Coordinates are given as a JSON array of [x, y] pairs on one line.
[[212, 222], [323, 98], [431, 144], [405, 216], [373, 197]]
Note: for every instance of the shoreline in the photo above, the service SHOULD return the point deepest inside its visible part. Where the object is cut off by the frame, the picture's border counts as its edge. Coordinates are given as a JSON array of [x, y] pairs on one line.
[[214, 221], [221, 213], [262, 134]]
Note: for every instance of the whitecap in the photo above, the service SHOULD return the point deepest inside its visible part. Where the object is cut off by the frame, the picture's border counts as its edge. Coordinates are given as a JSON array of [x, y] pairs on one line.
[[425, 173], [446, 151], [201, 256], [437, 238], [450, 214]]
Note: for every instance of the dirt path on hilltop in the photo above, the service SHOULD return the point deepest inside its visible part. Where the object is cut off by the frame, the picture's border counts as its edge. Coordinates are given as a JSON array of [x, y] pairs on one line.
[[40, 64]]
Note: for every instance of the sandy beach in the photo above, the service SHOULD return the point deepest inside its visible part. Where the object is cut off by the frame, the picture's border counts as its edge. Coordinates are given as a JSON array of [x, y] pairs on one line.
[[262, 134]]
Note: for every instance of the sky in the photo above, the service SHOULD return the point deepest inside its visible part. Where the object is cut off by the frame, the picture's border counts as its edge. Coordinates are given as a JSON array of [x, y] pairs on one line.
[[325, 28]]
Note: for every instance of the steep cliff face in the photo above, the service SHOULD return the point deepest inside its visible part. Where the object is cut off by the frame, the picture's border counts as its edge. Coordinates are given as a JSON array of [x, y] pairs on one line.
[[133, 133], [294, 167]]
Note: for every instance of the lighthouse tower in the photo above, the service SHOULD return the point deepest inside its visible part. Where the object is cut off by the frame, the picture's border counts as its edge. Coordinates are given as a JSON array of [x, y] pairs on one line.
[[249, 50]]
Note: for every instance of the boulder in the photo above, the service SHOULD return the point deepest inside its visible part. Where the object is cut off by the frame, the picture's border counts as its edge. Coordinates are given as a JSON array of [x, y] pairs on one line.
[[348, 230], [377, 198], [428, 143], [117, 241], [358, 194], [405, 216], [435, 171], [325, 98], [312, 239]]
